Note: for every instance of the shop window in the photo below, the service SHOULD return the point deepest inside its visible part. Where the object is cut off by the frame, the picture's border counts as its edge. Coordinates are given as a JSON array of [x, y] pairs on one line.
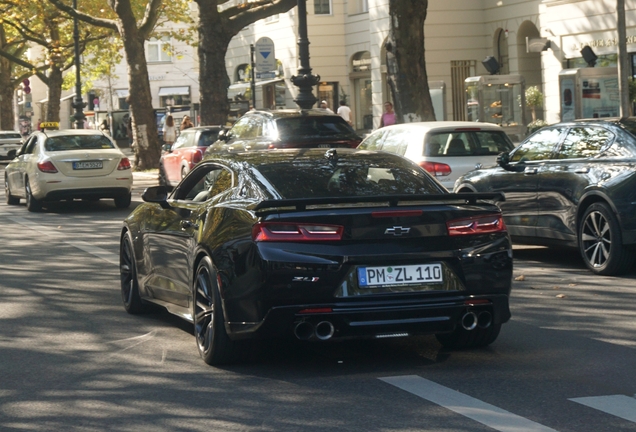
[[322, 7], [158, 50]]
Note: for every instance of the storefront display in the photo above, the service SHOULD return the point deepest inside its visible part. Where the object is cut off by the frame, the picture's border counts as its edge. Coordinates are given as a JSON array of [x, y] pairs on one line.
[[589, 93]]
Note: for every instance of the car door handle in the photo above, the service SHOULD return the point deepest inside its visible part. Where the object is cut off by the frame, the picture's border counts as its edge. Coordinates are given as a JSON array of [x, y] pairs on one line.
[[582, 170], [530, 171], [185, 224]]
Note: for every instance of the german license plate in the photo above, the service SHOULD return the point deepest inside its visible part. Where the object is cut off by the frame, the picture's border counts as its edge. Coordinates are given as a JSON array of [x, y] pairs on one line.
[[88, 165], [400, 275]]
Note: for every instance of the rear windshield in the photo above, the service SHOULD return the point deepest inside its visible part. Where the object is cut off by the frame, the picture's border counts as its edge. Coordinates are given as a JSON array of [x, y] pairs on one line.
[[10, 135], [207, 138], [348, 178], [467, 143], [78, 142], [314, 127]]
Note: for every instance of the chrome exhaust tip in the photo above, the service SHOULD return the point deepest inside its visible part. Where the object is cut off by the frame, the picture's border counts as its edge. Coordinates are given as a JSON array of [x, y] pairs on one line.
[[303, 330], [469, 321], [484, 319], [324, 330]]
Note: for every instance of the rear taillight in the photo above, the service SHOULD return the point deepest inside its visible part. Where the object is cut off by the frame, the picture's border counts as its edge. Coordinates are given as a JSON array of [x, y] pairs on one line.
[[476, 225], [197, 156], [47, 167], [437, 169], [124, 164], [289, 231]]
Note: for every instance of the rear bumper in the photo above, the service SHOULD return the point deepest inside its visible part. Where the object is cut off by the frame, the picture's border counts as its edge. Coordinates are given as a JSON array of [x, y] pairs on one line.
[[110, 192], [375, 319]]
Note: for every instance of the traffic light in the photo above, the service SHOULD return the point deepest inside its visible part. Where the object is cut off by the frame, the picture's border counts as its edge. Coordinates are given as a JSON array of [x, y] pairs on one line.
[[25, 86]]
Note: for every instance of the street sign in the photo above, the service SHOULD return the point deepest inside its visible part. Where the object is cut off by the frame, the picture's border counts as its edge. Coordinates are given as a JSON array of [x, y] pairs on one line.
[[265, 57]]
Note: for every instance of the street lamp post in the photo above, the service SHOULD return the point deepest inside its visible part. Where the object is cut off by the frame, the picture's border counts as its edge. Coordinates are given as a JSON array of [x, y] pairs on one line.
[[305, 80], [78, 103]]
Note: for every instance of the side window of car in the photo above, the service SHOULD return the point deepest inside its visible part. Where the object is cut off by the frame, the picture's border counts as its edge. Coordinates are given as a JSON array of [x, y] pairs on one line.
[[538, 147], [204, 183], [584, 142], [31, 145], [241, 128], [373, 141]]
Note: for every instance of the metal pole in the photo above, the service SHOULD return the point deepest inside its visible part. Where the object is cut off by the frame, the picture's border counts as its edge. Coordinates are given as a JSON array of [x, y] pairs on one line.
[[305, 80], [253, 78], [79, 103], [623, 64]]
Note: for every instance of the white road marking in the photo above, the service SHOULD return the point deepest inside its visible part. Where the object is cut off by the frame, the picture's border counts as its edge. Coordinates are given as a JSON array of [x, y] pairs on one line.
[[482, 412], [618, 405], [82, 245]]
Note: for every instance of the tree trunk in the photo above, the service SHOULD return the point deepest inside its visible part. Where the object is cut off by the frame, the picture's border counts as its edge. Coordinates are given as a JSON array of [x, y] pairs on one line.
[[55, 93], [406, 62], [145, 135], [7, 116], [214, 38]]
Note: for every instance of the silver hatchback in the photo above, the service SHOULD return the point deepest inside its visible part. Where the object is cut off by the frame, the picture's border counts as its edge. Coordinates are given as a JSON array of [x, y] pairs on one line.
[[446, 150], [10, 143]]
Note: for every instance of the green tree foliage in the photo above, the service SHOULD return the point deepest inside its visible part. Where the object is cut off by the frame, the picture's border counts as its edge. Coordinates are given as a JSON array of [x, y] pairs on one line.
[[11, 73], [49, 34]]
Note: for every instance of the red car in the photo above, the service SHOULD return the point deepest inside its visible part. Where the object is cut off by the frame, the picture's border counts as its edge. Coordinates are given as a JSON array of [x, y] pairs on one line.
[[177, 160]]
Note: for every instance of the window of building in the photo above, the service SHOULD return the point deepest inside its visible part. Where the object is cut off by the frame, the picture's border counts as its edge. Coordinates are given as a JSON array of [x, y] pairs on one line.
[[158, 50], [174, 96], [322, 7], [460, 70], [271, 18]]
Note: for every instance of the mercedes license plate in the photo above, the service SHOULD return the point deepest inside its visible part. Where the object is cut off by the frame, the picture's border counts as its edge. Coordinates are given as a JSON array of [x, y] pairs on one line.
[[400, 275], [88, 165]]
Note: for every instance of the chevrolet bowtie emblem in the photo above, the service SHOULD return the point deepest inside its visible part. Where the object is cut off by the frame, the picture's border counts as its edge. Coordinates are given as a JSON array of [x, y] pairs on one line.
[[397, 231]]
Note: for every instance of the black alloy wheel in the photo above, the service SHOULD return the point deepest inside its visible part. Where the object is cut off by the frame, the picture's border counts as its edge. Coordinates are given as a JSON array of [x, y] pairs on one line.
[[11, 200], [128, 276], [213, 342], [32, 204], [600, 242]]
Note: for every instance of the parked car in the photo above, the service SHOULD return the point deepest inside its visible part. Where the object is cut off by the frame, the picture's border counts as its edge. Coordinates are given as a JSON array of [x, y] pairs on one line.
[[179, 158], [571, 184], [321, 245], [446, 149], [289, 128], [10, 143], [67, 164]]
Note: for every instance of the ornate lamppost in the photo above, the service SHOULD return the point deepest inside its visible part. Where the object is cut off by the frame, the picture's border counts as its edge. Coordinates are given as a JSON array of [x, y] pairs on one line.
[[305, 80], [78, 103]]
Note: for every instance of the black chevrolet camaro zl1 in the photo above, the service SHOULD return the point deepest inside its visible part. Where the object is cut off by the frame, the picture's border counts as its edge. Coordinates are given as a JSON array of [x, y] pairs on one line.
[[320, 245]]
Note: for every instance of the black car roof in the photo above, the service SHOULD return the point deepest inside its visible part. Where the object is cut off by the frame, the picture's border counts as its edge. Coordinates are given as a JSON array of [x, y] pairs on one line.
[[317, 155]]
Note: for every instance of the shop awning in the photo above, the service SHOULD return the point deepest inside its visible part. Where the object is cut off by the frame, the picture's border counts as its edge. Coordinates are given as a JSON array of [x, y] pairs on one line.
[[122, 93], [174, 91], [239, 88], [71, 96]]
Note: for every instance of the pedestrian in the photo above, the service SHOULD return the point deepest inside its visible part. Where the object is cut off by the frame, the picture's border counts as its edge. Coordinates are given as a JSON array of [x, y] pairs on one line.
[[186, 123], [129, 131], [388, 118], [104, 126], [169, 130], [345, 112], [325, 106]]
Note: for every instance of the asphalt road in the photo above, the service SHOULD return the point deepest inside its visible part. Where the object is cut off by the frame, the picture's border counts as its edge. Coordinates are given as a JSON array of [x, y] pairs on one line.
[[72, 359]]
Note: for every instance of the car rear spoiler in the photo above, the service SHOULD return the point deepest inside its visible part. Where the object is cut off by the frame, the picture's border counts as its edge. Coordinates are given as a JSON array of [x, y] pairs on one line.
[[393, 200]]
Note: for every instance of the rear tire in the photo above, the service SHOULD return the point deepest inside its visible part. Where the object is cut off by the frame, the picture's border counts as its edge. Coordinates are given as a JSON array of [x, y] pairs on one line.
[[600, 242], [461, 338], [123, 201], [33, 204], [128, 275], [11, 200], [213, 342]]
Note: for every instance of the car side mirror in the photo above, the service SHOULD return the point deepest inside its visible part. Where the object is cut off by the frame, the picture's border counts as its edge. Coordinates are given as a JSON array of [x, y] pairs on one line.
[[156, 194], [225, 135], [167, 148]]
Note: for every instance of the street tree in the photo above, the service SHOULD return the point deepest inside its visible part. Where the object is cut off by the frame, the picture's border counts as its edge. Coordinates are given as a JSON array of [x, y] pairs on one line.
[[219, 21], [406, 61], [135, 21], [49, 33], [11, 73]]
